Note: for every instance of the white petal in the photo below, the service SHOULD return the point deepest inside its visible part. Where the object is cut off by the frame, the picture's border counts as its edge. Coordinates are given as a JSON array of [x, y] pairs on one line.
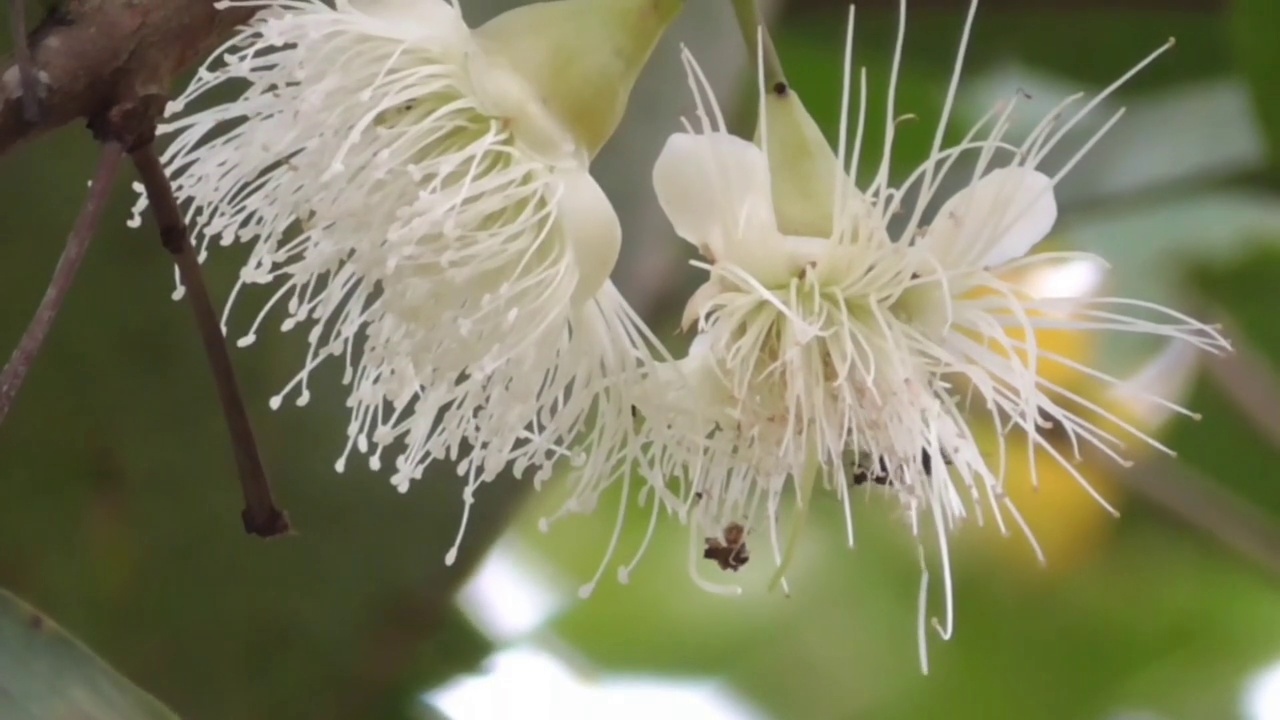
[[715, 190], [997, 219], [700, 348], [591, 228]]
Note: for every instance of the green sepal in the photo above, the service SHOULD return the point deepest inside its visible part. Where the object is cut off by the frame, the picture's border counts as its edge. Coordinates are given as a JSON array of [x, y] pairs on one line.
[[802, 166], [582, 57]]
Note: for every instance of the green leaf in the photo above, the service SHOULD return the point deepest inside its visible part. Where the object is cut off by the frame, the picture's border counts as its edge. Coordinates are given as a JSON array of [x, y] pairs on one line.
[[1225, 445], [45, 674], [1255, 25]]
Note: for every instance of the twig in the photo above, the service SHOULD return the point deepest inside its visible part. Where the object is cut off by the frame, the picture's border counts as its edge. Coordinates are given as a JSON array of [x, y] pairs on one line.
[[1204, 504], [261, 516], [27, 76], [64, 275]]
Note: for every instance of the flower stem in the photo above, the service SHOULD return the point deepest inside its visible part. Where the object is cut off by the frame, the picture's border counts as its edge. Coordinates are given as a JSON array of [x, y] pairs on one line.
[[756, 35], [261, 515]]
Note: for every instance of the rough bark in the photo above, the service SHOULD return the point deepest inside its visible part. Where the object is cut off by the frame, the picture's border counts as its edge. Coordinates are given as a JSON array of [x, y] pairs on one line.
[[92, 56]]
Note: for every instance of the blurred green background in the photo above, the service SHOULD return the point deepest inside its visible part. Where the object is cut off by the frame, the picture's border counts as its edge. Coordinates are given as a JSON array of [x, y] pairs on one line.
[[119, 507]]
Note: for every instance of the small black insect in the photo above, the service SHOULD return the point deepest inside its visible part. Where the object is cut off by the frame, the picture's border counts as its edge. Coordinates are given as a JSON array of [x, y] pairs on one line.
[[879, 476], [926, 461], [729, 552]]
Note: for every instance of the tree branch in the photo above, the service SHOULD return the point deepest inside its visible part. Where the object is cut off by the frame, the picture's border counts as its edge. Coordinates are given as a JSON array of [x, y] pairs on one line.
[[1248, 380], [1184, 493], [261, 516], [89, 54], [64, 275]]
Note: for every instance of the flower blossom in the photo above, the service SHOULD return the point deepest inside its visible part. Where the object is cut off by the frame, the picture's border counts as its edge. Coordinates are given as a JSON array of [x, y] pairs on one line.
[[844, 340], [417, 193]]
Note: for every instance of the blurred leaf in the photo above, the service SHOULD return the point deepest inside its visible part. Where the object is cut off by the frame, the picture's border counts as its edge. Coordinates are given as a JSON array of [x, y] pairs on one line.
[[1192, 133], [45, 674], [1187, 134], [1255, 25], [1091, 47], [1224, 445], [1153, 246]]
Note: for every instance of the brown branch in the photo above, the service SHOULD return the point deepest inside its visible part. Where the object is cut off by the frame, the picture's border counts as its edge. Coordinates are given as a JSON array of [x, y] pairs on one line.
[[261, 515], [64, 275], [89, 54]]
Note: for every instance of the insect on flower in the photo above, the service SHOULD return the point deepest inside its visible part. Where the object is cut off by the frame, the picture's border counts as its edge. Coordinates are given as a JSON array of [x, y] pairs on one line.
[[880, 474], [729, 551], [838, 321], [877, 473]]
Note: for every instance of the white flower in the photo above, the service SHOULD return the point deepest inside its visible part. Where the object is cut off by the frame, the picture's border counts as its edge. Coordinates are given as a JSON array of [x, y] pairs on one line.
[[845, 341], [418, 194]]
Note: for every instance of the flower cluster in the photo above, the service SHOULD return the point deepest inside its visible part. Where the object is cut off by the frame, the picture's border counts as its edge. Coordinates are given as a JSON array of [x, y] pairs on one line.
[[418, 194]]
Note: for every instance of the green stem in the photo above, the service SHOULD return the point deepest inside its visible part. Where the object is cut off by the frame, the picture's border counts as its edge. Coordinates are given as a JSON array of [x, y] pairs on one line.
[[756, 34]]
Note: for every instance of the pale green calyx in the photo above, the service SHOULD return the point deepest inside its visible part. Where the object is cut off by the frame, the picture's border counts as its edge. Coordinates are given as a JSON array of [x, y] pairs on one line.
[[801, 164], [581, 57]]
